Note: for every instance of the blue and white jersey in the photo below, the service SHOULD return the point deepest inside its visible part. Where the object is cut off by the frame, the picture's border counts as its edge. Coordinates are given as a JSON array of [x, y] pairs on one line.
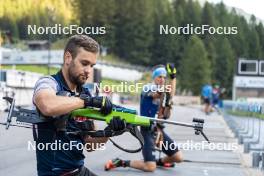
[[148, 105]]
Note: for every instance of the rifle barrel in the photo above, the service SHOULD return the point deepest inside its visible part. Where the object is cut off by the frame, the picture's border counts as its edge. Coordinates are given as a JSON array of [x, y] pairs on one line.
[[172, 122]]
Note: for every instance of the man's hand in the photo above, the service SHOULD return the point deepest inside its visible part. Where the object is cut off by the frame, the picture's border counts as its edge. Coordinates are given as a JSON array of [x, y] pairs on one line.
[[171, 69], [116, 124], [101, 102]]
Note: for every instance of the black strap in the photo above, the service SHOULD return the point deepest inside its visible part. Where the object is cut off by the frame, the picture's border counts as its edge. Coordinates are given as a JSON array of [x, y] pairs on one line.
[[136, 133], [35, 135]]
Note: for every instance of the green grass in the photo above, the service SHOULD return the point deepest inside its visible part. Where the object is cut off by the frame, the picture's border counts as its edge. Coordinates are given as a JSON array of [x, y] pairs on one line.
[[33, 68], [44, 70], [246, 114], [110, 82], [59, 44], [110, 58]]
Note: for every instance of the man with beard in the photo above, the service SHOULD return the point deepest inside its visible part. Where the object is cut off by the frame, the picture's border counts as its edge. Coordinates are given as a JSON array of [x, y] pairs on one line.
[[56, 96]]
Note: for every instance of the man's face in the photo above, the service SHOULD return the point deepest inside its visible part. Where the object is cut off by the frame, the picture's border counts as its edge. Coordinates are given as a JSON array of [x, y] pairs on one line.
[[80, 67], [159, 80]]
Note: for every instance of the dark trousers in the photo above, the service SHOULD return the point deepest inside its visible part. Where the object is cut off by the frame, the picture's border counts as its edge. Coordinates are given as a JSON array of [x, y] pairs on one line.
[[83, 171]]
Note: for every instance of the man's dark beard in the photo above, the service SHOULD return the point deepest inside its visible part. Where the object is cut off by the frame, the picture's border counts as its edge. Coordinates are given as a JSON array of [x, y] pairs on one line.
[[75, 79]]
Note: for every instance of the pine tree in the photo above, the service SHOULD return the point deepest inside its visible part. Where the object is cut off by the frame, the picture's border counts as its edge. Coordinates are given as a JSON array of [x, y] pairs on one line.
[[253, 40], [225, 64], [260, 31], [164, 46], [238, 41], [193, 13], [134, 30], [195, 69], [99, 15]]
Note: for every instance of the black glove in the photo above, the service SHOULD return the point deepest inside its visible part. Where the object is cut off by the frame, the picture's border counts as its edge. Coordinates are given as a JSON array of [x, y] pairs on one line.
[[171, 70], [101, 102], [117, 124]]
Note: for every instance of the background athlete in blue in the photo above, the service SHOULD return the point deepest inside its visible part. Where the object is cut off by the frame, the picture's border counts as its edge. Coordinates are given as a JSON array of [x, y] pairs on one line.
[[207, 97], [149, 106]]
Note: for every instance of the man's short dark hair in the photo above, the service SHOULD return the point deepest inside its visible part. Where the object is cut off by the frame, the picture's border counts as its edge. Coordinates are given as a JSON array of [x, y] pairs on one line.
[[77, 41]]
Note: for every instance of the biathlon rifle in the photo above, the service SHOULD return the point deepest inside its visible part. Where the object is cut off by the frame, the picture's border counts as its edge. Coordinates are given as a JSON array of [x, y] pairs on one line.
[[132, 118], [26, 116]]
